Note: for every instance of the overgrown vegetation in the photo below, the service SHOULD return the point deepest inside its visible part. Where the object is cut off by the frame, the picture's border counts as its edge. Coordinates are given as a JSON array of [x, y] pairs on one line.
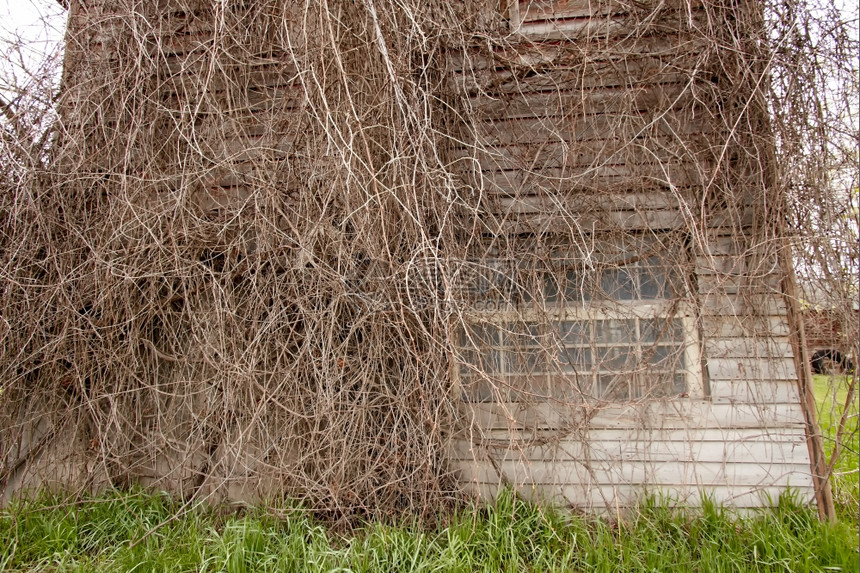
[[831, 393], [243, 248], [142, 532]]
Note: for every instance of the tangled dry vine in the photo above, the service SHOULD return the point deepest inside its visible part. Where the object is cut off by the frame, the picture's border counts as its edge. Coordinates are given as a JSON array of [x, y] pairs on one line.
[[291, 247]]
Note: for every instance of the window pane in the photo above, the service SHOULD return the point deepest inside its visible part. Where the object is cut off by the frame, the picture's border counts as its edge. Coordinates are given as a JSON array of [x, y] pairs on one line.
[[479, 390], [617, 358], [489, 361], [522, 335], [551, 288], [615, 331], [661, 330], [575, 359], [576, 287], [485, 335], [570, 283], [528, 285], [573, 387], [494, 280], [574, 333], [524, 361], [661, 355], [618, 284], [665, 385], [480, 350], [679, 384], [611, 387], [652, 281]]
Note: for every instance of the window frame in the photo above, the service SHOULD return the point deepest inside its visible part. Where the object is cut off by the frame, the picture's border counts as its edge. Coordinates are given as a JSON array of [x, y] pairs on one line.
[[553, 313]]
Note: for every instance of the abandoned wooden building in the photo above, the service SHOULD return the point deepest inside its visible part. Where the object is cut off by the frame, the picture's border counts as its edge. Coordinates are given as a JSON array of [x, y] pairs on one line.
[[374, 254]]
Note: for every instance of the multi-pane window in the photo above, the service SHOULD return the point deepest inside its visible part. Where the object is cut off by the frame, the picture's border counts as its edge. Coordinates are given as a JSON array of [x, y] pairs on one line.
[[616, 331]]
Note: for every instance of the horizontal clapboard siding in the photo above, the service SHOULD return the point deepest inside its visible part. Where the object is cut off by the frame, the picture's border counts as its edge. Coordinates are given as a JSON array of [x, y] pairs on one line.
[[512, 222], [543, 10], [611, 445], [607, 26], [557, 155], [548, 128], [730, 328], [673, 473], [678, 414], [515, 183], [664, 96], [629, 126]]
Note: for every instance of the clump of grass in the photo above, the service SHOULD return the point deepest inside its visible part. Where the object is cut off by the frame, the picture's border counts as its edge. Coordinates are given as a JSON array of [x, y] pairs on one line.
[[137, 531], [831, 393]]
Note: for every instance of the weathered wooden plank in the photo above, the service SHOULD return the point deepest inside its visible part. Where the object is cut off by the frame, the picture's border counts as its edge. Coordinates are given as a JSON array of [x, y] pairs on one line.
[[198, 81], [611, 25], [678, 413], [263, 69], [729, 305], [755, 391], [215, 198], [733, 244], [537, 10], [627, 127], [107, 28], [519, 183], [676, 52], [722, 284], [642, 97], [548, 213], [540, 10], [506, 82], [241, 149], [659, 149], [227, 126], [510, 221], [576, 29], [556, 221], [593, 215], [729, 446], [595, 473], [220, 104], [216, 181], [773, 368], [739, 266], [581, 202], [718, 326], [785, 426], [758, 348]]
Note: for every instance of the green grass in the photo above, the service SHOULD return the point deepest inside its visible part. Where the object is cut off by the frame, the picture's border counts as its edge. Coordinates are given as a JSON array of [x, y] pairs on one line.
[[117, 532], [830, 395]]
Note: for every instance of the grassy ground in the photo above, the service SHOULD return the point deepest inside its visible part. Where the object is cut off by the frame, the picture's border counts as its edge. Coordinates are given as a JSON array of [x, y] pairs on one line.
[[120, 533], [830, 394]]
